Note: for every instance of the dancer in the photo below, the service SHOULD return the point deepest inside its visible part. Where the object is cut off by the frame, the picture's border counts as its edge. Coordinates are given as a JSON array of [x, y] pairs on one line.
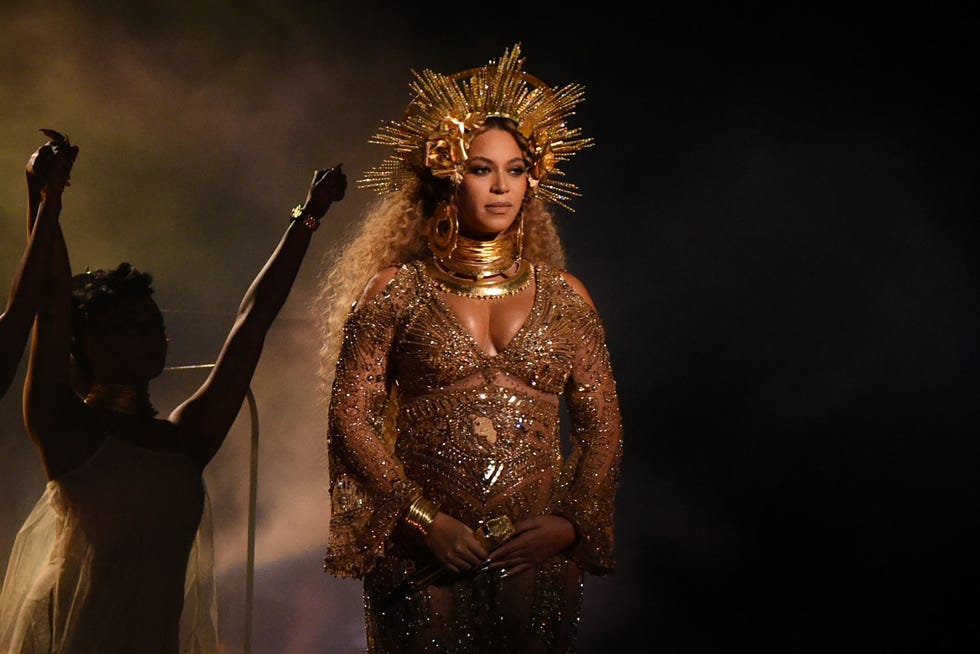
[[101, 563], [451, 496]]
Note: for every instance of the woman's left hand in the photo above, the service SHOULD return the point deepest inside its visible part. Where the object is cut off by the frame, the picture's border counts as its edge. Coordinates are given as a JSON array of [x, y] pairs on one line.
[[535, 541]]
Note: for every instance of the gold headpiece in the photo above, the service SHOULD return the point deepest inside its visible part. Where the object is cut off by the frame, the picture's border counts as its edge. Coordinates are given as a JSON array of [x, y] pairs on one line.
[[436, 128]]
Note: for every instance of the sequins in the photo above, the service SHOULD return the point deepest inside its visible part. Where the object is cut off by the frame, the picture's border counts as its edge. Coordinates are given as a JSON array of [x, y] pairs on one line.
[[478, 434]]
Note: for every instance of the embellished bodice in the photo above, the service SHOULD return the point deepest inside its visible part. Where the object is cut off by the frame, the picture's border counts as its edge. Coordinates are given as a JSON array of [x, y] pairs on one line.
[[435, 351], [418, 407]]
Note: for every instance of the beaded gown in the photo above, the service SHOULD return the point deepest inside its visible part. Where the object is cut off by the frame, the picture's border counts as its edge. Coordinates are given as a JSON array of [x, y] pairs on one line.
[[115, 557], [480, 435]]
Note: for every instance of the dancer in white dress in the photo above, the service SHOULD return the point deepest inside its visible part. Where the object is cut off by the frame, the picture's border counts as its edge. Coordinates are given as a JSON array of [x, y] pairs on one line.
[[107, 562]]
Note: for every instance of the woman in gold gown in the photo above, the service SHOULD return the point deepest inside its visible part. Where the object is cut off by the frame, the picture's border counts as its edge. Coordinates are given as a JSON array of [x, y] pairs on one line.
[[452, 495]]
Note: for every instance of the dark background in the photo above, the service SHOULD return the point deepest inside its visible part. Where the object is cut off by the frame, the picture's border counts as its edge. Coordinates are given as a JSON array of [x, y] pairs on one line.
[[777, 225]]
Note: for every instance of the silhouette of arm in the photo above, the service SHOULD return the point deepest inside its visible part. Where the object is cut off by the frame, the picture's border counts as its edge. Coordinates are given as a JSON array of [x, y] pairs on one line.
[[206, 417]]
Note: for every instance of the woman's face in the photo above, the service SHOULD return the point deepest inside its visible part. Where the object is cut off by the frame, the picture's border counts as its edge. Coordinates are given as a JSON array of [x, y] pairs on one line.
[[493, 186], [126, 341]]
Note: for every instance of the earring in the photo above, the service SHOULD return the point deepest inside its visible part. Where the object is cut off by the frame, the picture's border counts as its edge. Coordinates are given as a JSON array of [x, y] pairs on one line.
[[443, 230]]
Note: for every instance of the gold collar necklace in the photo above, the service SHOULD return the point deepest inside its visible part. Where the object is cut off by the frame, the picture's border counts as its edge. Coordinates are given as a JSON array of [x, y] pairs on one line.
[[482, 269], [121, 398]]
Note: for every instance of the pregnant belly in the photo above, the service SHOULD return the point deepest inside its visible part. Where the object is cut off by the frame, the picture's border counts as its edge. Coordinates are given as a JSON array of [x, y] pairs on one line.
[[482, 452]]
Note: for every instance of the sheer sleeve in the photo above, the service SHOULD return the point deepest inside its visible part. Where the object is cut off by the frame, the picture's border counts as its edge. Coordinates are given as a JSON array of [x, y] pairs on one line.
[[369, 491], [591, 473]]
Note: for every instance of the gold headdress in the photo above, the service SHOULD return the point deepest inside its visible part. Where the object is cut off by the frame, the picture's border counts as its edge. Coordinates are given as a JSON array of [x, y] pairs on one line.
[[436, 128]]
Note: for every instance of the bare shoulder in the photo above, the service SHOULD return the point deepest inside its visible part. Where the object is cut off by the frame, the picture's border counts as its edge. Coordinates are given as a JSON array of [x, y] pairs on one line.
[[378, 282], [577, 286]]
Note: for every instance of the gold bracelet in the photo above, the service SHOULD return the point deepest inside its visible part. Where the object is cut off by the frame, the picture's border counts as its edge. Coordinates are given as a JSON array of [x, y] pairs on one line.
[[308, 220], [421, 514]]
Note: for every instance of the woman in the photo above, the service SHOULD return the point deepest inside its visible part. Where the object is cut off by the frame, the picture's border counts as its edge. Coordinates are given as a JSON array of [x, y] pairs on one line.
[[100, 565], [444, 438]]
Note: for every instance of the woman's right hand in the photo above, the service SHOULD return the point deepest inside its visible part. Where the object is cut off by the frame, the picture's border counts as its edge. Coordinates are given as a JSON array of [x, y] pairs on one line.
[[453, 544], [328, 186]]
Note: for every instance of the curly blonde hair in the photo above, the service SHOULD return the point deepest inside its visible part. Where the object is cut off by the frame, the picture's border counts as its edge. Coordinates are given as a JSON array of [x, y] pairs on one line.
[[394, 232]]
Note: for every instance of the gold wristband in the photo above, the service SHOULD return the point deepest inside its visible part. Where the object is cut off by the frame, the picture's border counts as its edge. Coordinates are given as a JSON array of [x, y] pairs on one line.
[[308, 220], [421, 514]]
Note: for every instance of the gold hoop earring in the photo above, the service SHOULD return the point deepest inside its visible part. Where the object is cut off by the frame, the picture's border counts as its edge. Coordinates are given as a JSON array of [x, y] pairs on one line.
[[443, 230]]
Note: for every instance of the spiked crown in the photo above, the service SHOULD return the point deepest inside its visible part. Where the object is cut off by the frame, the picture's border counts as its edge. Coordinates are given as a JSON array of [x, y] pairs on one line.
[[434, 132]]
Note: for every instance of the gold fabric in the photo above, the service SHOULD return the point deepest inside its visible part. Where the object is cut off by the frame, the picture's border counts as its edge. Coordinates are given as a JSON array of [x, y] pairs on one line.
[[480, 436]]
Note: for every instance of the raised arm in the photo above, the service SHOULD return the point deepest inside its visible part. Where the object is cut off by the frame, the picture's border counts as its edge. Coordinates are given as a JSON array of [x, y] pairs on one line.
[[206, 417], [50, 405], [47, 174]]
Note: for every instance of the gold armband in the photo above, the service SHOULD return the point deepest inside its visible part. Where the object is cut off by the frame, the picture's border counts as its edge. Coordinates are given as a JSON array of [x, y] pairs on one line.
[[421, 514]]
